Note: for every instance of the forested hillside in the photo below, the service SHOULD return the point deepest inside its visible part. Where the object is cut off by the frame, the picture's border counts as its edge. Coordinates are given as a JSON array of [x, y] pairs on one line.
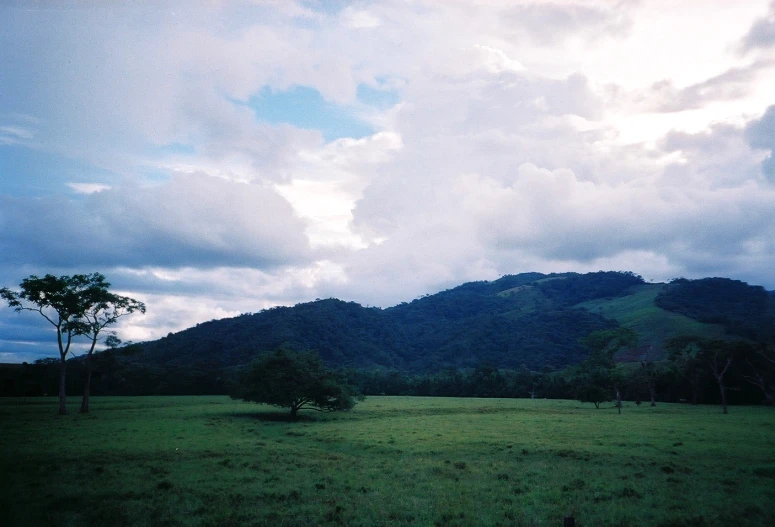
[[523, 319], [743, 310], [528, 322]]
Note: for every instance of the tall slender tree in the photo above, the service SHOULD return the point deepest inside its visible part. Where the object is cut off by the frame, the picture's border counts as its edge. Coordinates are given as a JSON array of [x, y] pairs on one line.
[[75, 305], [103, 309], [650, 372], [60, 301]]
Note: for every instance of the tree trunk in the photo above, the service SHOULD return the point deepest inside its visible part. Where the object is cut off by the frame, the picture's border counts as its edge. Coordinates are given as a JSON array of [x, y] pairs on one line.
[[723, 397], [719, 375], [618, 399], [653, 393], [86, 390], [62, 391], [87, 383], [294, 409]]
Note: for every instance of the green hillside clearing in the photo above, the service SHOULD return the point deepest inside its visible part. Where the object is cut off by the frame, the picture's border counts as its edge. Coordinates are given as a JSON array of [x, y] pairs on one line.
[[653, 324]]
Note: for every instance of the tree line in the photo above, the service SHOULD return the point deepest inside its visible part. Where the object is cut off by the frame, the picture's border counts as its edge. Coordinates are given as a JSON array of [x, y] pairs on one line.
[[697, 371], [694, 375]]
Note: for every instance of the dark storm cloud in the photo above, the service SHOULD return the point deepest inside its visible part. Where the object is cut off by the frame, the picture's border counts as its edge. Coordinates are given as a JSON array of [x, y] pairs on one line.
[[761, 134], [732, 84], [762, 33], [195, 221]]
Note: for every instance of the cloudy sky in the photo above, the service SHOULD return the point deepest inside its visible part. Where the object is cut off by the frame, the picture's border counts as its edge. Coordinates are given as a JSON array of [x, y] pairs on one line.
[[232, 156]]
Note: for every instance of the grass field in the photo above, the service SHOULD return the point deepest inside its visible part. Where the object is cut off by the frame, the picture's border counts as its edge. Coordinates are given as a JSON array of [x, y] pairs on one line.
[[390, 461]]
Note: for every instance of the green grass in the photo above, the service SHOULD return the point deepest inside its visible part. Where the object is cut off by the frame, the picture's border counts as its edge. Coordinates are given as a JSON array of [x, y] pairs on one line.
[[390, 461], [653, 324]]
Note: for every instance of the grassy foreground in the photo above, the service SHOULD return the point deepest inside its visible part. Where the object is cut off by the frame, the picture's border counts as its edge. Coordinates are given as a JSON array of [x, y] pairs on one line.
[[391, 461]]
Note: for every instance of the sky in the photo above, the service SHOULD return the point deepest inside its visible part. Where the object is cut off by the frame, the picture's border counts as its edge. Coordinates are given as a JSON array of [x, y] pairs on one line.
[[222, 157]]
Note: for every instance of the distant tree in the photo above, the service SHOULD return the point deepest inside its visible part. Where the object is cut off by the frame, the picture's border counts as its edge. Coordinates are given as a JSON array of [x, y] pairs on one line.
[[685, 363], [290, 379], [650, 373], [112, 341], [525, 382], [593, 388], [62, 302], [717, 356], [761, 371], [103, 309], [597, 379]]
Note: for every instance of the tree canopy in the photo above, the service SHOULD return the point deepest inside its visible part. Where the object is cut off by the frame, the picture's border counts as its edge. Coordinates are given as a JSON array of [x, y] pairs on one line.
[[101, 309], [596, 379], [294, 380]]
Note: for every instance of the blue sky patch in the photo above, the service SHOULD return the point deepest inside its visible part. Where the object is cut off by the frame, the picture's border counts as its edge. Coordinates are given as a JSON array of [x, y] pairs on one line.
[[305, 107], [29, 172], [328, 7], [379, 98], [177, 148]]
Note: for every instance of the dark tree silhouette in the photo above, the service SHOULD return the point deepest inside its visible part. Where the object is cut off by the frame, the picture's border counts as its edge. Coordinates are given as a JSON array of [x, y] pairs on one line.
[[650, 372], [596, 378], [713, 354], [762, 372], [104, 309], [75, 305], [61, 302], [294, 380]]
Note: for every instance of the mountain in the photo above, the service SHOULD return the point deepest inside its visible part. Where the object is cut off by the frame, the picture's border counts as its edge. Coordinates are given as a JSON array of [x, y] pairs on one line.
[[532, 319]]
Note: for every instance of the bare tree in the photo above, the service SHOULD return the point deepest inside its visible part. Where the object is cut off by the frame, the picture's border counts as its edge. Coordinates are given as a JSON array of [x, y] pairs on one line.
[[762, 370], [714, 355], [718, 367]]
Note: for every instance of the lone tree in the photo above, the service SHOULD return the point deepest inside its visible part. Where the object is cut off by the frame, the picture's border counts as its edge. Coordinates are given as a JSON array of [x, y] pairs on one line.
[[597, 378], [67, 302], [294, 380], [103, 309]]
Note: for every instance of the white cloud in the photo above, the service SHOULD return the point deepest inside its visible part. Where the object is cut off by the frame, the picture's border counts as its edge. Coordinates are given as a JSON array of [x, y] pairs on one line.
[[10, 134], [359, 18], [88, 188], [497, 61]]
